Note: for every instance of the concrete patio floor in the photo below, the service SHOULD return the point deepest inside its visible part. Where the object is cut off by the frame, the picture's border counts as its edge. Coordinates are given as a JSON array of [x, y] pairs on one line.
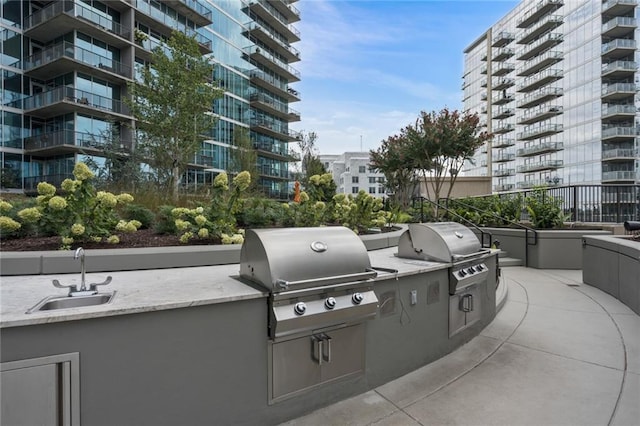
[[558, 353]]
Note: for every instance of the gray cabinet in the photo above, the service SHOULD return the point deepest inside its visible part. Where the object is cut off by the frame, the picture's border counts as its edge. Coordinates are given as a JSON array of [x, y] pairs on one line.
[[465, 308], [40, 391], [302, 363]]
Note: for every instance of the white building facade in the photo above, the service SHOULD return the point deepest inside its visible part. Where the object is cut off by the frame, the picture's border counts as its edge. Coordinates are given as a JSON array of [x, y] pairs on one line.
[[351, 173]]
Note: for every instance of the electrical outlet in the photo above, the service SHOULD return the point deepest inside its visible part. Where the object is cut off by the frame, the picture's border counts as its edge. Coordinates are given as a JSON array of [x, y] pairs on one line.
[[414, 297]]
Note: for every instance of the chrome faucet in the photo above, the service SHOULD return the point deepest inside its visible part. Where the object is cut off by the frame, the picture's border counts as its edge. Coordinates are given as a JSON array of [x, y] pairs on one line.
[[82, 291], [80, 254]]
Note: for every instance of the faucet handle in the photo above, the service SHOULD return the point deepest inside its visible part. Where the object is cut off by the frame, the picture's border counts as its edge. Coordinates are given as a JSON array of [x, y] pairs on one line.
[[72, 287], [94, 286]]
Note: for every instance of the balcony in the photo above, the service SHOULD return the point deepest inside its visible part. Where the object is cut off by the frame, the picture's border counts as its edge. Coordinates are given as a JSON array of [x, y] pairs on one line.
[[542, 165], [618, 48], [504, 157], [504, 172], [483, 58], [540, 62], [502, 68], [273, 84], [538, 80], [66, 57], [502, 39], [541, 148], [618, 91], [502, 83], [274, 129], [271, 150], [540, 96], [63, 100], [535, 13], [272, 172], [193, 10], [619, 154], [541, 113], [289, 11], [483, 69], [540, 45], [502, 98], [618, 7], [265, 58], [619, 133], [503, 142], [274, 107], [619, 69], [502, 128], [274, 17], [620, 175], [619, 27], [65, 142], [504, 112], [543, 26], [483, 83], [540, 182], [618, 112], [503, 53], [539, 131], [273, 41], [503, 187], [59, 17]]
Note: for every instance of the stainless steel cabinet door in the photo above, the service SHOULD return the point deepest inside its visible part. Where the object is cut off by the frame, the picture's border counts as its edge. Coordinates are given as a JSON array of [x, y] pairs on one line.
[[294, 366], [343, 352], [30, 396]]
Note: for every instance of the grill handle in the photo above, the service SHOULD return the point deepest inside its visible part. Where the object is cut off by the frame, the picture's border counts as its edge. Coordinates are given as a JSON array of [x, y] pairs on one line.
[[335, 279], [458, 257]]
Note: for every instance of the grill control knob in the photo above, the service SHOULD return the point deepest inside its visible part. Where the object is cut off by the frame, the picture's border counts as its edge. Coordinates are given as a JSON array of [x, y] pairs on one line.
[[462, 273], [300, 308], [330, 303], [357, 298], [479, 268], [471, 270]]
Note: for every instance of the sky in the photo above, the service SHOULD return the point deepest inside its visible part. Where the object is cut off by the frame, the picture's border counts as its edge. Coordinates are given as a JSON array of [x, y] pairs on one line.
[[370, 66]]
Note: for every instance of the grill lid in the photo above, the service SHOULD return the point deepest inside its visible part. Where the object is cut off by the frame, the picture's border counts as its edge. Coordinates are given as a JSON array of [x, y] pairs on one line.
[[440, 242], [294, 258]]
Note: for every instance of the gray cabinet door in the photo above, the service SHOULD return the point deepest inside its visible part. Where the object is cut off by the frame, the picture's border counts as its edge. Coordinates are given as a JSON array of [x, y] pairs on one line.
[[30, 396], [41, 391], [294, 366], [346, 346]]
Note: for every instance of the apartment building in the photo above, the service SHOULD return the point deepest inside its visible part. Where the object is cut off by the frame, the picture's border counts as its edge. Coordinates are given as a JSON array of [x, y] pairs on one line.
[[556, 82], [352, 173], [66, 64]]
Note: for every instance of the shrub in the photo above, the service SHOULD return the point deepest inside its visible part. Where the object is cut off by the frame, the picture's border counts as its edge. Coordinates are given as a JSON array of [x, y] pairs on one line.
[[140, 213], [360, 212], [260, 212], [165, 222], [80, 214], [544, 210], [305, 213]]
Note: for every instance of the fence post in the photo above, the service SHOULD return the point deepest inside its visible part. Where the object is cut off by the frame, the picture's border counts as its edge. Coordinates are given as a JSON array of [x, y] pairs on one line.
[[575, 204]]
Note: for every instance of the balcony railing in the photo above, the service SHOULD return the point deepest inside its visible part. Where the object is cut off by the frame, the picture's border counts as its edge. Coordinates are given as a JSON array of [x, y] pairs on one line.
[[502, 39], [612, 110], [540, 149], [274, 104], [503, 142], [502, 68], [535, 81], [502, 83], [275, 83], [539, 131], [544, 25], [503, 98], [69, 50], [504, 187], [618, 90], [540, 62], [618, 6], [618, 175], [616, 131], [619, 66], [81, 97], [540, 113], [539, 182], [542, 165], [65, 137], [543, 7], [276, 15], [619, 44], [541, 44], [291, 72], [504, 112], [619, 153], [74, 9], [504, 157], [539, 96], [618, 26], [503, 53], [504, 172], [279, 40]]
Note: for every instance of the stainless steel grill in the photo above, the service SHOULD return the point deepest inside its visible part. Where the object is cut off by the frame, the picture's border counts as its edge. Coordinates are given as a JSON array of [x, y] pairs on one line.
[[320, 283], [453, 243]]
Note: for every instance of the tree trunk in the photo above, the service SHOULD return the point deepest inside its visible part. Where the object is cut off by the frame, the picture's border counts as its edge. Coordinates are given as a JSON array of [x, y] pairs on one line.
[[175, 183]]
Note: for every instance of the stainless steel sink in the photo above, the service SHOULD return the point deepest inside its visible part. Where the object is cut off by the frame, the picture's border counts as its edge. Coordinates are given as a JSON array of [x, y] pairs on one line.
[[52, 303]]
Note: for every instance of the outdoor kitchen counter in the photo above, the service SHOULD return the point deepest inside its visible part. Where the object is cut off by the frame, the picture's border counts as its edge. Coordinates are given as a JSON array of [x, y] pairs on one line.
[[158, 289], [136, 292]]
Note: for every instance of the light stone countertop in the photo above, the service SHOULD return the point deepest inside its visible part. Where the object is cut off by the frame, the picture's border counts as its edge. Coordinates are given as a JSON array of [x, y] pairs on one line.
[[158, 289]]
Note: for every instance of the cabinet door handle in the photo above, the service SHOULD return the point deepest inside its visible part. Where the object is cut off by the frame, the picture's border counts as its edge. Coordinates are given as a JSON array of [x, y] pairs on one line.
[[327, 355], [467, 303], [318, 351]]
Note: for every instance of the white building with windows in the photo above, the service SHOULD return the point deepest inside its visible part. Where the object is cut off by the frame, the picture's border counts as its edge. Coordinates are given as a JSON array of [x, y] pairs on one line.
[[351, 173]]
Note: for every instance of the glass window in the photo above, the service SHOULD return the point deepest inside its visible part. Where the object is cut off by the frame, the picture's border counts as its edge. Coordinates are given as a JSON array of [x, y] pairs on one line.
[[372, 190], [354, 179], [354, 189], [362, 169]]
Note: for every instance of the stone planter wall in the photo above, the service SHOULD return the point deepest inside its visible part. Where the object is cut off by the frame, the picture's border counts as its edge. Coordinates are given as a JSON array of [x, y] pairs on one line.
[[612, 264], [131, 259], [555, 248]]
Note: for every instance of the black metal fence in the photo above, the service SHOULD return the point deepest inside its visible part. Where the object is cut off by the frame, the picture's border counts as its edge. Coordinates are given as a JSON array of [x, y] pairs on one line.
[[594, 203]]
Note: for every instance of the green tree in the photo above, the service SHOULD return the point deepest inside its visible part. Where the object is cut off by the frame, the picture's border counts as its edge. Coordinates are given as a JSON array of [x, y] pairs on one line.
[[393, 161], [440, 142], [172, 103], [310, 160], [243, 156]]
